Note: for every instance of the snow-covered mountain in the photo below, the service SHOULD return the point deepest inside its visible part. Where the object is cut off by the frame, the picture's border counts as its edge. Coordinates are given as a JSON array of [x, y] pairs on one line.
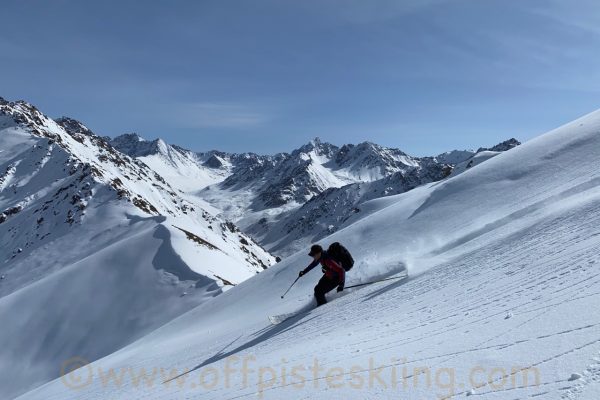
[[374, 171], [274, 180], [335, 208], [96, 248], [287, 200], [269, 186], [500, 301], [185, 169]]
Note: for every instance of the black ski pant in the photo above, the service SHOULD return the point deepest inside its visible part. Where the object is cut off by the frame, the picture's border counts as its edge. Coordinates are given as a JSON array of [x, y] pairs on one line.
[[325, 285]]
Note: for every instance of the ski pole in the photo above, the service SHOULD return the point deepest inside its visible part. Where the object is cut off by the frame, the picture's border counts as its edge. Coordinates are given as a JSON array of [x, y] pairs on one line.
[[369, 283], [290, 287]]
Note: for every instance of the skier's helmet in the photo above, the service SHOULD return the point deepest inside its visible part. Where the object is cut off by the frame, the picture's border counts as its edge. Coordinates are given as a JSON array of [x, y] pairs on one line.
[[315, 249]]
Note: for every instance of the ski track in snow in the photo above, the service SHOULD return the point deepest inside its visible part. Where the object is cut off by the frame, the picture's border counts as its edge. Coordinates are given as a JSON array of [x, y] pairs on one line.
[[547, 296], [426, 313], [503, 277]]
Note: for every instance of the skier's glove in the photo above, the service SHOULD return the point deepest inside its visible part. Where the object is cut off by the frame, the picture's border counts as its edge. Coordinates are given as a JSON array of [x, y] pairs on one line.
[[301, 273]]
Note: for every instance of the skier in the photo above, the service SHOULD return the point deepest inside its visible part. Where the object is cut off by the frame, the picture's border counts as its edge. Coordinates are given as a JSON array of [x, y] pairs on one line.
[[334, 274]]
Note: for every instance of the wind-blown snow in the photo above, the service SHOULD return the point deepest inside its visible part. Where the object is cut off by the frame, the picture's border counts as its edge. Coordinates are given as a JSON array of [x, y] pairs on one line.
[[503, 280]]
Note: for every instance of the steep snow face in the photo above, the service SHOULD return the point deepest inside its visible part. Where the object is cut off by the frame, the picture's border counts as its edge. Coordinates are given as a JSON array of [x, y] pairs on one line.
[[503, 284], [99, 244]]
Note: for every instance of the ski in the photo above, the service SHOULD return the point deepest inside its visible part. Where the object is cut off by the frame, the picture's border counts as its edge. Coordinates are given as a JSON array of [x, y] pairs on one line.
[[278, 319], [380, 280]]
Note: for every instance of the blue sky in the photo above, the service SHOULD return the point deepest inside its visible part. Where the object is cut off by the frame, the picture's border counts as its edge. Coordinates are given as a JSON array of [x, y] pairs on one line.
[[265, 76]]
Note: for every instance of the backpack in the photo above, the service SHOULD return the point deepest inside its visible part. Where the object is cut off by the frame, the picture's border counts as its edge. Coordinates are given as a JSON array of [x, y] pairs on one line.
[[341, 254]]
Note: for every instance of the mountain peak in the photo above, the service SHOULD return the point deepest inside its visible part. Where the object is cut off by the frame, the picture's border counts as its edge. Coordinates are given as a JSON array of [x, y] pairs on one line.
[[503, 146], [369, 145], [134, 145], [318, 146], [214, 161], [72, 126], [133, 137]]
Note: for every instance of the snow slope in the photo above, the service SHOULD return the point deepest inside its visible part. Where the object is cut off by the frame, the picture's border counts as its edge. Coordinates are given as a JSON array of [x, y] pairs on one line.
[[503, 283], [96, 249]]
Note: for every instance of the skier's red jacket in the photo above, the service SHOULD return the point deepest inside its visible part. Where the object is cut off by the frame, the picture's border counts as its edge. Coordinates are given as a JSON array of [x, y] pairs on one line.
[[332, 269]]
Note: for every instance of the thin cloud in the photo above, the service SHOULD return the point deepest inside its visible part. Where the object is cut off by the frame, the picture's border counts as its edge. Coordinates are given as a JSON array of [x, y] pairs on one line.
[[584, 16], [364, 12], [221, 115]]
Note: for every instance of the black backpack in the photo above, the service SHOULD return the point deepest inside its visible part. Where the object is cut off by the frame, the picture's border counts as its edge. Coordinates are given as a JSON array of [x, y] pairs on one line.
[[341, 254]]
